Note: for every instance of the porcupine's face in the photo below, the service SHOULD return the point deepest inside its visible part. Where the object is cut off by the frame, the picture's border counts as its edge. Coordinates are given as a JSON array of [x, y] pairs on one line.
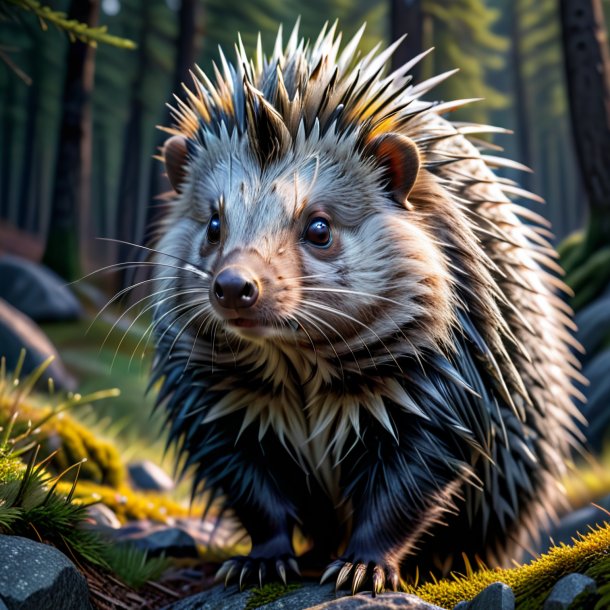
[[312, 248]]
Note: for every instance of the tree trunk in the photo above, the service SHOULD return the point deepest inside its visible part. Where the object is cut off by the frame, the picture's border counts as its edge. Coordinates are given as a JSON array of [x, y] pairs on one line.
[[70, 207], [28, 206], [406, 18], [188, 41], [587, 66], [523, 127], [131, 196], [190, 38]]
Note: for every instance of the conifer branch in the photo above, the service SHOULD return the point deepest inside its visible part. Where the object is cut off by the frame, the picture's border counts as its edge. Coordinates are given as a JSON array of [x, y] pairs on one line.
[[75, 30]]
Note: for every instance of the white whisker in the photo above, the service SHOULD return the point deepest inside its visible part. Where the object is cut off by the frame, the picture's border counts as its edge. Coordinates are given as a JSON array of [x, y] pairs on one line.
[[341, 314]]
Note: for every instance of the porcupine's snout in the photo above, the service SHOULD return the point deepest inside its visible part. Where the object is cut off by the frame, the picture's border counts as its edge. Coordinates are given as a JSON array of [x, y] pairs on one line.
[[241, 295], [235, 288]]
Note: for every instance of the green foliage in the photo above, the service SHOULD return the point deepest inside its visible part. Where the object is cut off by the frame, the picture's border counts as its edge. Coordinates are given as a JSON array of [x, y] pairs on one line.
[[587, 268], [31, 500], [463, 37], [11, 467], [133, 565], [540, 44], [73, 28], [57, 432], [600, 599], [268, 593], [31, 507], [249, 19]]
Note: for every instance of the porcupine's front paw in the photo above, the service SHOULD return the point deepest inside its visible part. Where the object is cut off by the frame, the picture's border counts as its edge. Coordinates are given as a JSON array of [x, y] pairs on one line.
[[376, 576], [254, 568]]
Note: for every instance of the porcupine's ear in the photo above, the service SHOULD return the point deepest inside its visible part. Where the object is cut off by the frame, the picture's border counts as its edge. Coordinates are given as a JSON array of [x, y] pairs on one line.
[[175, 152], [400, 158]]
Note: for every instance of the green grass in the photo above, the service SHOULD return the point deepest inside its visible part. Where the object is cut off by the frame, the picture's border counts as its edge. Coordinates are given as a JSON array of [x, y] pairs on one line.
[[109, 352]]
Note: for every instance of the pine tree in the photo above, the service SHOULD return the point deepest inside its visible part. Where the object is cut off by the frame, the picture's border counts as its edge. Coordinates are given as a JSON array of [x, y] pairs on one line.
[[70, 206], [462, 34]]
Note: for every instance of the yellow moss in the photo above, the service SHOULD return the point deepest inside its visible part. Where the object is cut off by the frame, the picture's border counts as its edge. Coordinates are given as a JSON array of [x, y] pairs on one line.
[[11, 467], [129, 504], [103, 463], [589, 481], [72, 440], [530, 582]]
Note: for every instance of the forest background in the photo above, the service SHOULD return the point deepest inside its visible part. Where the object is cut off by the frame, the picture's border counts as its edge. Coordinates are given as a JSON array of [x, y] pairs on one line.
[[509, 52], [78, 133]]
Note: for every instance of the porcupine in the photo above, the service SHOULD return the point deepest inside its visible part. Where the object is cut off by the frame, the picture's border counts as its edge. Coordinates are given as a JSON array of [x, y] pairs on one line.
[[357, 335]]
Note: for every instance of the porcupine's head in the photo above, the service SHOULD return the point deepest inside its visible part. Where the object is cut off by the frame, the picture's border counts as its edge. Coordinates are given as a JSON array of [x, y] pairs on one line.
[[304, 209]]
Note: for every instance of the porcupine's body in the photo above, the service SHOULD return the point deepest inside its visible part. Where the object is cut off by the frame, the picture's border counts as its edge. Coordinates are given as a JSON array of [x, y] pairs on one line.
[[356, 333]]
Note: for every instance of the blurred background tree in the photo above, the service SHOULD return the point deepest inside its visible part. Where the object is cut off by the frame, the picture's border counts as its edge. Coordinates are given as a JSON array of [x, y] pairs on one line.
[[508, 52]]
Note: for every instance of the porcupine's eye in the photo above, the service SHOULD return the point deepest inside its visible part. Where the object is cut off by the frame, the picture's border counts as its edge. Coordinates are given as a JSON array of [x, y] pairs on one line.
[[214, 229], [318, 232]]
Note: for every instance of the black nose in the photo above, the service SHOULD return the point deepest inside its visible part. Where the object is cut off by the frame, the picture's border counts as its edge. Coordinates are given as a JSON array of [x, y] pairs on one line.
[[233, 289]]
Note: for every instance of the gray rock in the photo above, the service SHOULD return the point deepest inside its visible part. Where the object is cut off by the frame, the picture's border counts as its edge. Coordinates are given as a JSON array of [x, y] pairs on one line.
[[575, 522], [593, 322], [364, 601], [147, 476], [160, 539], [597, 394], [310, 595], [208, 533], [496, 596], [36, 576], [100, 516], [36, 290], [17, 331], [566, 590]]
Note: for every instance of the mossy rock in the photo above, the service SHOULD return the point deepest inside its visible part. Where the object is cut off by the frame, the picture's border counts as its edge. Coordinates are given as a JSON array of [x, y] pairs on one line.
[[71, 439], [533, 581], [129, 505], [103, 465]]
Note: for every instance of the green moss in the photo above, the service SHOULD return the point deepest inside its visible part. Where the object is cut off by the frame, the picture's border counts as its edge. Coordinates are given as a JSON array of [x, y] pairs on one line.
[[10, 467], [269, 593]]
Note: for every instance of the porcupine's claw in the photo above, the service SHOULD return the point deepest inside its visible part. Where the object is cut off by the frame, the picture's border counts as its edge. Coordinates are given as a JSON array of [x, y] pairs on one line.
[[293, 565], [363, 575], [244, 570], [331, 570], [343, 575], [394, 579], [378, 580], [280, 568], [226, 572], [359, 574], [245, 573]]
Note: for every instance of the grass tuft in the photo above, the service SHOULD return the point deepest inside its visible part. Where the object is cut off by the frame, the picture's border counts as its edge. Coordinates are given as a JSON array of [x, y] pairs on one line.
[[37, 504]]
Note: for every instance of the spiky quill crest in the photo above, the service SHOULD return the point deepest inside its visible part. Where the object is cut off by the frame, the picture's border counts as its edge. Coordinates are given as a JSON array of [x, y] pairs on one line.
[[494, 394]]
